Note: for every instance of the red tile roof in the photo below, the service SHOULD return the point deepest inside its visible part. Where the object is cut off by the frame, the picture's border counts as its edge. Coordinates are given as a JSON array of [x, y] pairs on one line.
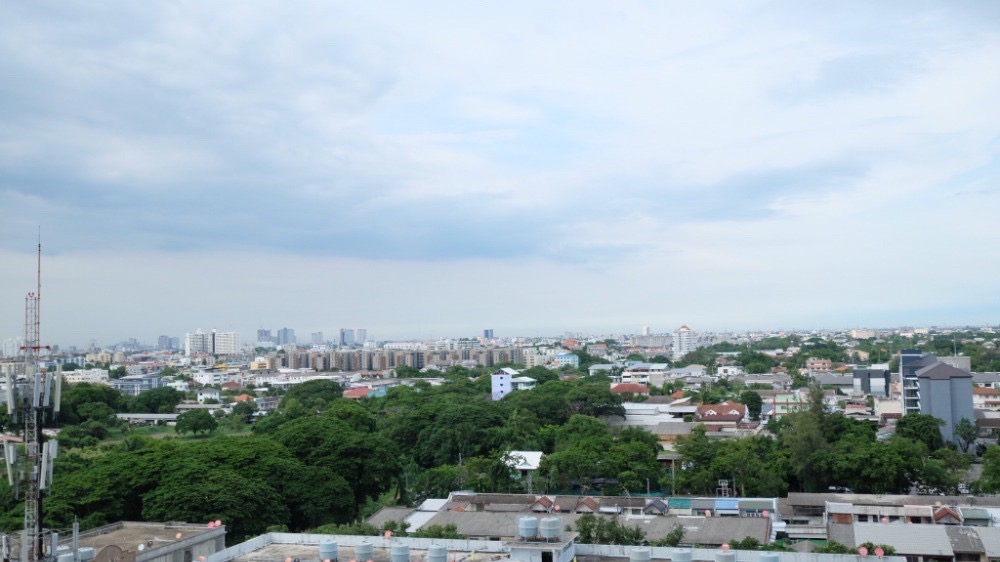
[[630, 388], [356, 393]]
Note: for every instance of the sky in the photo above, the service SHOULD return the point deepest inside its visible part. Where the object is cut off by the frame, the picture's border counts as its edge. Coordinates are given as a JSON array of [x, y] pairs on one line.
[[432, 169]]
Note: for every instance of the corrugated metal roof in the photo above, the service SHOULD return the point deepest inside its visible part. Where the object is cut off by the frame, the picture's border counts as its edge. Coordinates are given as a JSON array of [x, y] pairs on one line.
[[679, 503], [913, 540], [975, 513], [756, 504], [990, 537], [964, 539], [386, 514], [727, 503]]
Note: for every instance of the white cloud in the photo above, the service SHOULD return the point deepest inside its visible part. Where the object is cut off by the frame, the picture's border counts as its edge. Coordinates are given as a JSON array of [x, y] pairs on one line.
[[708, 164]]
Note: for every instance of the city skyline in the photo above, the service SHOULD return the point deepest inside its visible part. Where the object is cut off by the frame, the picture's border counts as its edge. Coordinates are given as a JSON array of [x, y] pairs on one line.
[[436, 170], [178, 343]]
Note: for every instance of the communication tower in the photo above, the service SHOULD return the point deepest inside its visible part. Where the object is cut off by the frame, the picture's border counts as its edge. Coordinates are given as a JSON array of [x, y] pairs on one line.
[[32, 396]]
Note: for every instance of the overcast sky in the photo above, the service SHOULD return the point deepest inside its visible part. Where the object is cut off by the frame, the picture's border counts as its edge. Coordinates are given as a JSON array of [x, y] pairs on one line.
[[426, 169]]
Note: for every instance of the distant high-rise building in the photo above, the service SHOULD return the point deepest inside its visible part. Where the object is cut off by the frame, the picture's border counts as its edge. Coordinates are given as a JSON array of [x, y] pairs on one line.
[[645, 330], [360, 336], [286, 336], [316, 338], [346, 337], [488, 333], [163, 342], [11, 347], [685, 341], [197, 342], [264, 335], [216, 343], [225, 343]]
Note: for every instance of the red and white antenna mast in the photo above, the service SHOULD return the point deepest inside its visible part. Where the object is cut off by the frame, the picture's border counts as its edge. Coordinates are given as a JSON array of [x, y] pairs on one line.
[[28, 399]]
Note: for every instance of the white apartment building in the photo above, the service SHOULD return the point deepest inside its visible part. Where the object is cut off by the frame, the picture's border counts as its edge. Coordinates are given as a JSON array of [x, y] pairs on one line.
[[685, 341], [215, 343], [93, 376]]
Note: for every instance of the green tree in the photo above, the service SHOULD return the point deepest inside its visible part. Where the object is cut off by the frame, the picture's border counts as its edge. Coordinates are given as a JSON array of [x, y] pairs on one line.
[[163, 400], [85, 401], [989, 481], [966, 432], [196, 421], [314, 395], [245, 410], [924, 428], [753, 402], [449, 531], [246, 505]]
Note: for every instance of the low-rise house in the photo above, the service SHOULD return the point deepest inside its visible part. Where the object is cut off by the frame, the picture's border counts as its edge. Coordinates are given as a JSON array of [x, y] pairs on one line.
[[727, 413], [133, 385], [985, 398], [523, 383], [630, 389], [206, 394]]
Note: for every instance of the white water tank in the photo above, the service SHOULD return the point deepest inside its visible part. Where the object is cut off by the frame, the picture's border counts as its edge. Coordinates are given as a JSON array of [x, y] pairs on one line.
[[437, 553], [725, 556], [551, 529], [400, 553], [364, 552], [328, 550], [639, 554], [527, 528], [681, 555]]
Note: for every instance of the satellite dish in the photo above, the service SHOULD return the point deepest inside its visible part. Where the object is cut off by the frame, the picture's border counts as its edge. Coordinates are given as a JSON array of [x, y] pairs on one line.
[[708, 513], [766, 513], [388, 534], [142, 547], [725, 547], [879, 552], [211, 524], [863, 551], [218, 523], [178, 536]]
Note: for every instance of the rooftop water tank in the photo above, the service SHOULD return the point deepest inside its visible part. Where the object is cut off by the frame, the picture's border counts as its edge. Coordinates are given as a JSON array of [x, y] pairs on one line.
[[551, 529], [681, 555], [639, 554], [527, 528], [400, 553], [86, 553], [328, 550], [65, 557], [437, 553], [725, 556], [364, 551]]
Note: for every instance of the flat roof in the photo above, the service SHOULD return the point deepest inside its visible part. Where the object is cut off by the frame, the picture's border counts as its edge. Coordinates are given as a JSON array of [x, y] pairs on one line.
[[128, 535]]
